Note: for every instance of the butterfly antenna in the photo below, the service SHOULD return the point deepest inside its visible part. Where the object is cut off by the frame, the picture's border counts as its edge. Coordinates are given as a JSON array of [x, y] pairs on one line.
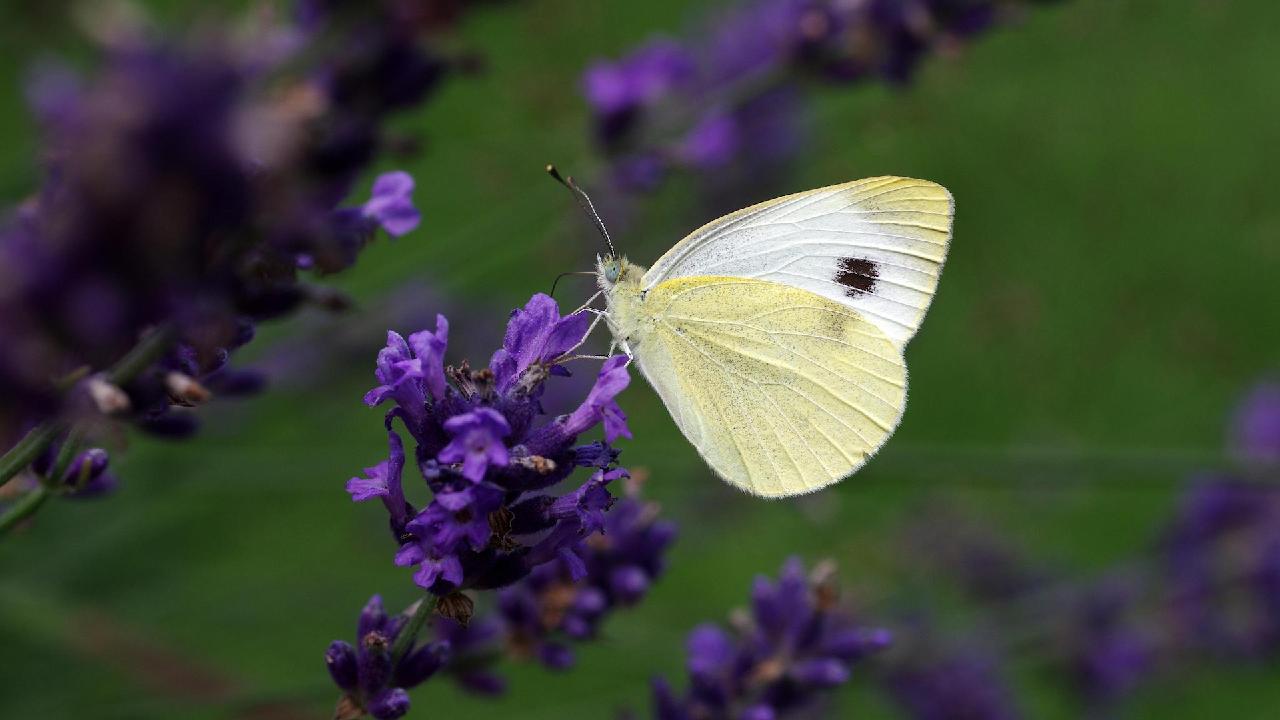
[[563, 274], [584, 200]]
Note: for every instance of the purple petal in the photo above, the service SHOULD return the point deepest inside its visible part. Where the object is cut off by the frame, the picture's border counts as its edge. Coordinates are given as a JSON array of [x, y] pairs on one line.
[[389, 704], [606, 88], [398, 217], [410, 553], [369, 487], [393, 184], [710, 650], [712, 143], [824, 672], [429, 347], [341, 661], [600, 406], [391, 205], [1256, 431]]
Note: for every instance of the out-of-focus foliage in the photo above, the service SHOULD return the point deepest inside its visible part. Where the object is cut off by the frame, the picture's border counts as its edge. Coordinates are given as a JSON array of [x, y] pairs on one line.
[[1106, 302]]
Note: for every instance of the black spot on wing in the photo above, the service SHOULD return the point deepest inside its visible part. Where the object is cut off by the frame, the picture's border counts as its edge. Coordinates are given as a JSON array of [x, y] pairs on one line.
[[858, 275]]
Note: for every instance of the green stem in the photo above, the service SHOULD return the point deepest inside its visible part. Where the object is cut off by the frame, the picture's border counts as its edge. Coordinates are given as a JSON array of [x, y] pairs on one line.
[[409, 633], [146, 352], [23, 507], [28, 449], [66, 454]]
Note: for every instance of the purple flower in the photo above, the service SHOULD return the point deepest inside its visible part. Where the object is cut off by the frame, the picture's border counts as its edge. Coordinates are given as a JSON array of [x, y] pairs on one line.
[[457, 519], [366, 673], [384, 481], [391, 205], [432, 568], [536, 336], [477, 442], [728, 107], [1220, 568], [411, 371], [1107, 653], [492, 461], [796, 645], [600, 406], [486, 452], [428, 363], [651, 71], [190, 181], [712, 143], [952, 685], [373, 484], [1256, 429], [588, 504]]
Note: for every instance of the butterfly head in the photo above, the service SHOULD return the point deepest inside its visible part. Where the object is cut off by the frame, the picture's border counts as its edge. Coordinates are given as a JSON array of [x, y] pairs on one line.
[[614, 269]]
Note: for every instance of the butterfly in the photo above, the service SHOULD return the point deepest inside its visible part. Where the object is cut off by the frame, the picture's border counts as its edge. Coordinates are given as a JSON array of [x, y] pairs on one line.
[[775, 334]]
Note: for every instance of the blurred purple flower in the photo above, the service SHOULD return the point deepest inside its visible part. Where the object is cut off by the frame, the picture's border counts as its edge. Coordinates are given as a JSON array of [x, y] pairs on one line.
[[725, 107], [952, 686], [796, 646], [1220, 568], [370, 682], [1256, 428], [391, 206], [190, 183], [652, 70]]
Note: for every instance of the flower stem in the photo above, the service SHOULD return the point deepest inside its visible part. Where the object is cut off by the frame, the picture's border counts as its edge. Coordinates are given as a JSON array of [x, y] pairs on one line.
[[405, 639], [28, 449], [23, 507], [146, 352]]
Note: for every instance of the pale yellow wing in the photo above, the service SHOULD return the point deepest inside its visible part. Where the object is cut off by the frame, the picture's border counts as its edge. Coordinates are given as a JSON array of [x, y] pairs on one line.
[[876, 245], [781, 390]]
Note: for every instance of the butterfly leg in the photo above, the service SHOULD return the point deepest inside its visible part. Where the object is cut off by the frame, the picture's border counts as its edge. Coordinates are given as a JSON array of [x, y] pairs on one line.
[[586, 305], [599, 315]]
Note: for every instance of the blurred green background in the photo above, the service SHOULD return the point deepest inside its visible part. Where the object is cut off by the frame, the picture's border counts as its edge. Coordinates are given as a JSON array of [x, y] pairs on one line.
[[1111, 291]]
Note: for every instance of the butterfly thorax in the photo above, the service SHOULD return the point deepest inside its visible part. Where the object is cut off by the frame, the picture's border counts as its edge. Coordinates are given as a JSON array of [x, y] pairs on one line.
[[620, 282]]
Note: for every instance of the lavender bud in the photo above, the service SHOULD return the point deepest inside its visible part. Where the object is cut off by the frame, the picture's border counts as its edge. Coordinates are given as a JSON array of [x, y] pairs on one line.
[[341, 660]]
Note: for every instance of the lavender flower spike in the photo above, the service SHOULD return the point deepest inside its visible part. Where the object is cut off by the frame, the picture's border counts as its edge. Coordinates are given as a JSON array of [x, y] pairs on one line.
[[372, 681], [796, 644], [487, 454]]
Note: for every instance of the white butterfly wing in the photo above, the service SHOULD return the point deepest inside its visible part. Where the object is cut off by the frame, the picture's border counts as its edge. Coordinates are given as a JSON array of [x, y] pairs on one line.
[[876, 245]]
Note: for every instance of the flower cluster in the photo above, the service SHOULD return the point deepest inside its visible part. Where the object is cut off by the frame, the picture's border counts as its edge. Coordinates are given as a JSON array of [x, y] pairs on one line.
[[488, 457], [1222, 569], [795, 645], [729, 105], [373, 681], [561, 602], [193, 184], [491, 460], [536, 617], [1210, 592], [942, 684]]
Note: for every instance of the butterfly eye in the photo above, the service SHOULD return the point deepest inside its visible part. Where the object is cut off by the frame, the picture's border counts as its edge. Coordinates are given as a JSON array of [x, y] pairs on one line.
[[611, 273]]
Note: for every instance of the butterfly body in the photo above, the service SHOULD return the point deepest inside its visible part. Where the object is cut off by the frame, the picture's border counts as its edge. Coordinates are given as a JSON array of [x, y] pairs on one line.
[[775, 335]]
